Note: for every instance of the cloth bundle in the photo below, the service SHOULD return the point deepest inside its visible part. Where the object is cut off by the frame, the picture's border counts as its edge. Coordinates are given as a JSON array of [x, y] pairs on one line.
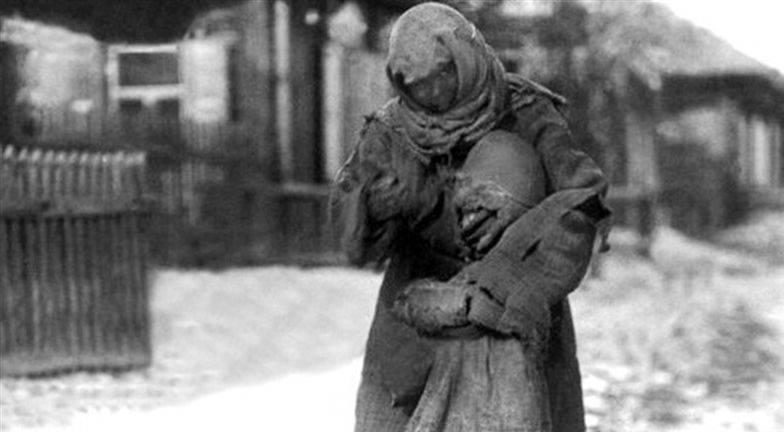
[[481, 379]]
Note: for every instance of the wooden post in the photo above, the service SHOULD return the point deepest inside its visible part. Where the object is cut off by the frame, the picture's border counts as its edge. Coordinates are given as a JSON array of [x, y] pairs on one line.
[[21, 314], [6, 304], [7, 180], [306, 36], [257, 74], [83, 292]]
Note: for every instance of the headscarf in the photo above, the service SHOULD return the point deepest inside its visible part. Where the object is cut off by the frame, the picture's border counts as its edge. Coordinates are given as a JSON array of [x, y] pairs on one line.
[[422, 39]]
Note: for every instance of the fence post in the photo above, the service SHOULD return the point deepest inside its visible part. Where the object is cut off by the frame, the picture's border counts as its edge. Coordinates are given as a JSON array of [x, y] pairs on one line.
[[72, 288]]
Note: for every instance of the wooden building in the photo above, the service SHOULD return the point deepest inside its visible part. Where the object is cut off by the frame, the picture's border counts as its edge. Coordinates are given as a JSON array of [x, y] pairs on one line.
[[258, 102], [719, 120], [73, 261], [687, 128], [301, 76], [613, 105], [51, 83]]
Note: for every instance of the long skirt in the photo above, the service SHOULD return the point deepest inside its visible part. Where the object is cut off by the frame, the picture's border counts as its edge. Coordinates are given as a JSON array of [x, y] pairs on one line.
[[484, 385]]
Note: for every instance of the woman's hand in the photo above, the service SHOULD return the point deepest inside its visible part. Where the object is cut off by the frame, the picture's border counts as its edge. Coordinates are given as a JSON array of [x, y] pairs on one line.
[[385, 197], [485, 211], [433, 307]]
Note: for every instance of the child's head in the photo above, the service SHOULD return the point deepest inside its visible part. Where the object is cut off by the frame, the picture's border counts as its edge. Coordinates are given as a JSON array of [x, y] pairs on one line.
[[501, 179], [508, 162]]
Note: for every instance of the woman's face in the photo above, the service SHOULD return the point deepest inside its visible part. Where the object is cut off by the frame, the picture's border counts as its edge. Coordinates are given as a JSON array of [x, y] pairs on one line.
[[437, 91]]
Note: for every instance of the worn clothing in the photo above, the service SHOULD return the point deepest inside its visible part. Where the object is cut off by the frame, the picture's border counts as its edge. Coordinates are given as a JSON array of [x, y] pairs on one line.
[[487, 384], [481, 379], [391, 198], [555, 255]]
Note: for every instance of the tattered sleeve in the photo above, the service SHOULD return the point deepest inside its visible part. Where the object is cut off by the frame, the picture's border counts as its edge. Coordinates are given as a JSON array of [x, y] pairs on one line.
[[542, 256], [364, 202], [567, 166]]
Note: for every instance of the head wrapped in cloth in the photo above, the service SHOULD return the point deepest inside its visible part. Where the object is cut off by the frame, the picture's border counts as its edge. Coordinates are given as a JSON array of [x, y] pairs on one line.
[[425, 39]]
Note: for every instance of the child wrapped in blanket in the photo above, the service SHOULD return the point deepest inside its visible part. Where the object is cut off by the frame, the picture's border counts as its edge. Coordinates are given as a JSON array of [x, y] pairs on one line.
[[478, 375]]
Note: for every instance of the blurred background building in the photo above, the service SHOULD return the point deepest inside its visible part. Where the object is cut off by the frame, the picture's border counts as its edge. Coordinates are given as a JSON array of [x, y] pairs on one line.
[[142, 141], [206, 134], [246, 108]]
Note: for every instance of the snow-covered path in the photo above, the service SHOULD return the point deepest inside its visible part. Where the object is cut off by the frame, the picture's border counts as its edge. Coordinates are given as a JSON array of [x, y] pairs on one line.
[[279, 349], [322, 401], [263, 349]]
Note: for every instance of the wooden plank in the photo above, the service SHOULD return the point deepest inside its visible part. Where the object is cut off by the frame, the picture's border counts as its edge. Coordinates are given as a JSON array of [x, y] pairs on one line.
[[105, 179], [97, 272], [83, 291], [15, 278], [91, 299], [51, 285], [140, 253], [134, 325], [60, 185], [70, 278], [109, 290], [32, 292], [7, 180], [83, 176], [60, 285], [21, 314], [44, 300], [23, 179], [126, 247], [45, 291], [101, 284], [70, 249], [6, 289], [125, 298], [138, 285], [45, 170], [117, 287], [109, 304], [57, 257]]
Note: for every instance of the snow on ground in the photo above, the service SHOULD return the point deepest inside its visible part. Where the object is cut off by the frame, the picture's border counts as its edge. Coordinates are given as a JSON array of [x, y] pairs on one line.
[[279, 349], [321, 401], [251, 347], [762, 234]]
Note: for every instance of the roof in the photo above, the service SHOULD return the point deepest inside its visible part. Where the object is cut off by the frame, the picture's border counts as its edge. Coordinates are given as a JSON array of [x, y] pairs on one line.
[[136, 21], [653, 40], [25, 32]]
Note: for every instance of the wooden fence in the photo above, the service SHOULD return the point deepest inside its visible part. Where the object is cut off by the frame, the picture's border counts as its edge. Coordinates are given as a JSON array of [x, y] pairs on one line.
[[73, 288]]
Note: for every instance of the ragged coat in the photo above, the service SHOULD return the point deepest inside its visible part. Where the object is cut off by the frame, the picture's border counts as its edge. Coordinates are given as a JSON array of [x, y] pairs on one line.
[[542, 257]]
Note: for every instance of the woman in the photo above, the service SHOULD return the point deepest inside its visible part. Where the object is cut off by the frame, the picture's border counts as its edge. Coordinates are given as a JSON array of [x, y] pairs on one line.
[[391, 197]]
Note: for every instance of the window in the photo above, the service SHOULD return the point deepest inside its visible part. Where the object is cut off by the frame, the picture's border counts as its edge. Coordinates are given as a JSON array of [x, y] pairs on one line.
[[144, 89], [143, 72], [148, 68], [761, 152]]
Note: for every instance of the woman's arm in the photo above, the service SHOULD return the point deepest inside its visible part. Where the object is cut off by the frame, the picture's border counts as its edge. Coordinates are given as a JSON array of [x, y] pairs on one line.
[[567, 166], [543, 255], [367, 198]]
